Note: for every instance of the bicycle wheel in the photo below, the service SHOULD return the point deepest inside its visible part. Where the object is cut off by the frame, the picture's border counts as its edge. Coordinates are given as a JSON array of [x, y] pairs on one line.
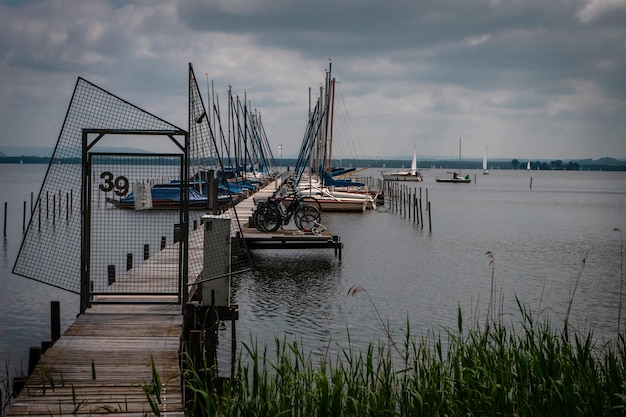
[[306, 216], [312, 201], [267, 218]]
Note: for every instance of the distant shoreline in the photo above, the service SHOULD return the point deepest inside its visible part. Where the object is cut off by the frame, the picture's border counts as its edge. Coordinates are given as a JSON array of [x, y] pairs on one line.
[[602, 164]]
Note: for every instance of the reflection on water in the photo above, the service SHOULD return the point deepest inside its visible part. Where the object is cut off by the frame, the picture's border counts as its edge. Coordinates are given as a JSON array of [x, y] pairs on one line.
[[309, 283]]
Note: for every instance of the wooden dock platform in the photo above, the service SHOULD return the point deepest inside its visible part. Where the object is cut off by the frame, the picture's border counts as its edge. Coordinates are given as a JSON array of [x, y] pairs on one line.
[[291, 239], [103, 364], [122, 355], [284, 238]]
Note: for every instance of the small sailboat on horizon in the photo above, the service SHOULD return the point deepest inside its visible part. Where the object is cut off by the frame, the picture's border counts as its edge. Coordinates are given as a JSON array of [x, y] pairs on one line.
[[412, 175], [485, 170], [457, 178]]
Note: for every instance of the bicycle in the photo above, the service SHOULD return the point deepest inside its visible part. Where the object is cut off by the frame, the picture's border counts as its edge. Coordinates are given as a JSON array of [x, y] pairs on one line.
[[272, 214]]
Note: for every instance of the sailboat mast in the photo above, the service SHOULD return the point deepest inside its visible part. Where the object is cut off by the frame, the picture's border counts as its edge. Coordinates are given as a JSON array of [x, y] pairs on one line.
[[332, 114], [459, 156]]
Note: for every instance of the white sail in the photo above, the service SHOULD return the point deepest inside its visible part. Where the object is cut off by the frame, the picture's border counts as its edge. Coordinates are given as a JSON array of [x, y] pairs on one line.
[[485, 170], [485, 159], [414, 163], [528, 166]]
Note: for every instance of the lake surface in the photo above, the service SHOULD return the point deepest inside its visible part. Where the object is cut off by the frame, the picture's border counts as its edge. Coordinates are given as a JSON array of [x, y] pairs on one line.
[[539, 238]]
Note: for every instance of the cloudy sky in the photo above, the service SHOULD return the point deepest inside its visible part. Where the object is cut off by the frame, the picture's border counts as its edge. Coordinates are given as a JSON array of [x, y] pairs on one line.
[[529, 79]]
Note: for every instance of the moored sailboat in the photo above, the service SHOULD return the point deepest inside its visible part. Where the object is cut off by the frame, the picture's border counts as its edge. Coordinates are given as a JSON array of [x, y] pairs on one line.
[[412, 175], [457, 178], [485, 170]]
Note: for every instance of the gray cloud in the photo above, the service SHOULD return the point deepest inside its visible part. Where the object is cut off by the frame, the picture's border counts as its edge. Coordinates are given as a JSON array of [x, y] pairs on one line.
[[531, 79]]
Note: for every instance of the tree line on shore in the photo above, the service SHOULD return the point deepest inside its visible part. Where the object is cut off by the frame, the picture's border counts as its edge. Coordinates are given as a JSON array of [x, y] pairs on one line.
[[602, 164]]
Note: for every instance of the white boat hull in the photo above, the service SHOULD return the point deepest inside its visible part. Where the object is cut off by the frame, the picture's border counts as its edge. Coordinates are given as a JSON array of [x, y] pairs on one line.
[[402, 177]]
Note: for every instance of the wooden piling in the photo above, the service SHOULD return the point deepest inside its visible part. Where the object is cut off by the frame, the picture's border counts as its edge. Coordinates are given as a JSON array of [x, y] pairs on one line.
[[430, 223], [55, 320], [24, 218], [129, 261], [163, 241], [146, 251], [5, 219], [531, 183], [111, 274], [34, 355]]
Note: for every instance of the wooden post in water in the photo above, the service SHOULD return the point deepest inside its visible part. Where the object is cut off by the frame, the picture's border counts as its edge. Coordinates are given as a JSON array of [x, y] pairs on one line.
[[146, 251], [47, 205], [55, 320], [163, 240], [111, 274], [430, 224], [24, 218], [421, 211], [531, 183], [34, 355], [402, 189], [54, 208], [5, 219], [129, 261], [233, 345], [32, 208]]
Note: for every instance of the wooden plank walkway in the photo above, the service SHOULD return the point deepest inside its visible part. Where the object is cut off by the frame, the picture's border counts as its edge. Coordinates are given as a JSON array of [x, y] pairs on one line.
[[102, 365], [287, 238], [104, 362]]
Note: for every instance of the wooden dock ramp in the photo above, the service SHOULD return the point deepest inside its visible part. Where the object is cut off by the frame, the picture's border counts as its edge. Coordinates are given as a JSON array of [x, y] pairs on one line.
[[121, 357], [104, 363]]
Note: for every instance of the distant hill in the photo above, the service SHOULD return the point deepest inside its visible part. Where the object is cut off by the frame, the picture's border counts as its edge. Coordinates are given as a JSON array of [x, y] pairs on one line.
[[42, 155]]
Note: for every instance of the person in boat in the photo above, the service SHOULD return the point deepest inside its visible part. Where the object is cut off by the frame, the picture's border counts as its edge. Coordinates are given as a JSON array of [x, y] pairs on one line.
[[455, 175]]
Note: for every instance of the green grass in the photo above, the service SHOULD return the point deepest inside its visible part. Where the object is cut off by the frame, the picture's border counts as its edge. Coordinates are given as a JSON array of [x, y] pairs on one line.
[[496, 370]]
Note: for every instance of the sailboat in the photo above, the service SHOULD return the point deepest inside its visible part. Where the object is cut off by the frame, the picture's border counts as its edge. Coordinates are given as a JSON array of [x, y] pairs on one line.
[[457, 178], [485, 170], [412, 175], [528, 166]]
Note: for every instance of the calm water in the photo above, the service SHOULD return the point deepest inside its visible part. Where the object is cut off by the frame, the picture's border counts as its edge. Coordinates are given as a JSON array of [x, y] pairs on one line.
[[539, 238]]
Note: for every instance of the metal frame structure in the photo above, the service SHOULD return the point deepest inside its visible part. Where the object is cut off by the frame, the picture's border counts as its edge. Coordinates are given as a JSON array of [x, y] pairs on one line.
[[91, 137]]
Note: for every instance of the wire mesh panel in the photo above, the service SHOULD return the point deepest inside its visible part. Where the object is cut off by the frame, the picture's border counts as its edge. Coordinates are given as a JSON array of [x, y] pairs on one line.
[[51, 249], [135, 210]]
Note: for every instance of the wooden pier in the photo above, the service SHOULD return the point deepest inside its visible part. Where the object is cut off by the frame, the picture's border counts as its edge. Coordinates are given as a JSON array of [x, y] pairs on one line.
[[104, 363], [284, 238], [117, 358], [122, 356]]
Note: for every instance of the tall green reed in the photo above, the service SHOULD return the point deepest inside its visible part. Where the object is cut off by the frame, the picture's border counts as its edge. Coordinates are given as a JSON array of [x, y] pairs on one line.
[[522, 366]]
